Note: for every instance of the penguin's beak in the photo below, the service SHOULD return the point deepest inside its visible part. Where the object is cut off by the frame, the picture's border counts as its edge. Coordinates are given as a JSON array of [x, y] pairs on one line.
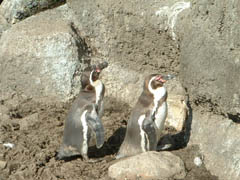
[[167, 77], [103, 65], [160, 78]]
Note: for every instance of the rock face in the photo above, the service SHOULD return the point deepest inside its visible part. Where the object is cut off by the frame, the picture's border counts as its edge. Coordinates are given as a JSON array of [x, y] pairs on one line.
[[218, 138], [149, 165], [41, 56], [3, 24], [209, 70], [210, 58], [134, 50], [177, 105]]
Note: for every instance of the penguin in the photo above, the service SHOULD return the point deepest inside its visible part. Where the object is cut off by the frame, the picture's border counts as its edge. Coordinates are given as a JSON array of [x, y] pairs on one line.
[[84, 117], [147, 118]]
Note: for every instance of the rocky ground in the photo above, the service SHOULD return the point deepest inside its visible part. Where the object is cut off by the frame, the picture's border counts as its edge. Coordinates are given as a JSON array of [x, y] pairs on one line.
[[36, 131]]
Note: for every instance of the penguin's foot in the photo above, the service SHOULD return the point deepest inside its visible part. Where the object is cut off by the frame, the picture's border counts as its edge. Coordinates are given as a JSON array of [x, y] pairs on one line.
[[86, 159], [66, 155], [59, 157], [164, 147], [66, 158], [118, 156]]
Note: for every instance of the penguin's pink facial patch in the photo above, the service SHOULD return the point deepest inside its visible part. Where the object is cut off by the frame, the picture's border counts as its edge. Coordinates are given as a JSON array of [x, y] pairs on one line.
[[160, 79], [98, 70]]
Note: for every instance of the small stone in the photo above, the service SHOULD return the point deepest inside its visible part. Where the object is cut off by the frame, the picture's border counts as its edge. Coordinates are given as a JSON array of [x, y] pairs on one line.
[[148, 165], [197, 161], [8, 145], [28, 121], [3, 164], [1, 156]]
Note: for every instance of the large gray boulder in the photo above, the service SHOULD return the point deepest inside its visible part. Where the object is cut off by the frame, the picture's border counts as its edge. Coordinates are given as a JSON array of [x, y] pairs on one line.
[[209, 70], [147, 166], [41, 56], [218, 139], [210, 58], [15, 10]]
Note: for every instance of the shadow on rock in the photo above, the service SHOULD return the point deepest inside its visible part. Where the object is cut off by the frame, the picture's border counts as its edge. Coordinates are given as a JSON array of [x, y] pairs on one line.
[[171, 141]]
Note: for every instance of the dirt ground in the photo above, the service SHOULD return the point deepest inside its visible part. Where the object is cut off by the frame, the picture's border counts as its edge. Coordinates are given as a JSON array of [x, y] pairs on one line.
[[36, 131]]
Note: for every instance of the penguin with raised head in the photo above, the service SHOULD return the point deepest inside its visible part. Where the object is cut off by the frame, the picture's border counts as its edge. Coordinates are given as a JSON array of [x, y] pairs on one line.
[[84, 117], [147, 118]]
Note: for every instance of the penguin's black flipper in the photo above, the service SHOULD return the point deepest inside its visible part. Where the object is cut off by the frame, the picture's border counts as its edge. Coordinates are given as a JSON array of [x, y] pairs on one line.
[[149, 128], [95, 123]]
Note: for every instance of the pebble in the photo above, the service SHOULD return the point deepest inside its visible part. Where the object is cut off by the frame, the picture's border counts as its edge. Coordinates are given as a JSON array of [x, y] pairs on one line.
[[1, 156], [3, 164], [8, 145], [197, 161]]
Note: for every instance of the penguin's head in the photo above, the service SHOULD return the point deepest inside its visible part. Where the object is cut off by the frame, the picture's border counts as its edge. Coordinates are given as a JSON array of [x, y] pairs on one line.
[[91, 74], [155, 81]]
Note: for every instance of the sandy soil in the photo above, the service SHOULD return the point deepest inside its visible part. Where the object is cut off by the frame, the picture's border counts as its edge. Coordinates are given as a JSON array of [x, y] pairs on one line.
[[36, 131]]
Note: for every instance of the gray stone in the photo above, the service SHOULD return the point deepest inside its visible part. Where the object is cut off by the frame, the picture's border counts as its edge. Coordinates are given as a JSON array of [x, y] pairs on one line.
[[148, 165], [1, 155], [41, 56], [177, 105], [210, 55], [16, 10], [3, 24], [3, 164], [3, 110], [218, 139], [27, 122]]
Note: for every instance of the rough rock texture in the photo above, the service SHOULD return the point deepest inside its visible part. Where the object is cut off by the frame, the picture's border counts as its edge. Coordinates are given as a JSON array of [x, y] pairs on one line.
[[177, 105], [218, 138], [16, 10], [210, 58], [2, 164], [149, 165], [29, 121], [41, 56], [209, 70], [3, 24], [133, 49]]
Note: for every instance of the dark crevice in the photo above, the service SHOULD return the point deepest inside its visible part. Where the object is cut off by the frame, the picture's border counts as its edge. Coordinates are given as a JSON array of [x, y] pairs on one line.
[[182, 138], [235, 118], [178, 140], [84, 49], [208, 104], [15, 114]]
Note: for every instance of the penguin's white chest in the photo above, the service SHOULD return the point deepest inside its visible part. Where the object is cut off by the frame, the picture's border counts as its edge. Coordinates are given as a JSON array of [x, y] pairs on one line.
[[160, 116], [99, 89], [159, 110]]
